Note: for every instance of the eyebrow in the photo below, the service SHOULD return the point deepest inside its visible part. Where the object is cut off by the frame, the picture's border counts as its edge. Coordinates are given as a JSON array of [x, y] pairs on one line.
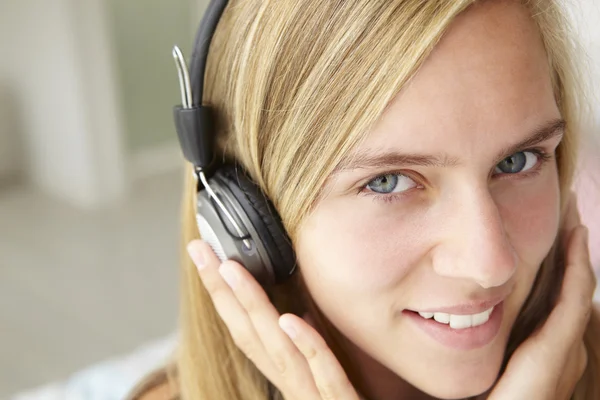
[[374, 159]]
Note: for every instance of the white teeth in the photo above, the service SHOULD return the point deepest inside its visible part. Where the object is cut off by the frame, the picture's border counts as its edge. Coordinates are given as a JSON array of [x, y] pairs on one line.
[[459, 321], [441, 317], [426, 315], [482, 318]]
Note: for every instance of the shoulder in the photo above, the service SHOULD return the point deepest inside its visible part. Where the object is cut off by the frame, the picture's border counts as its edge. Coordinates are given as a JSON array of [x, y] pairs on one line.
[[158, 385]]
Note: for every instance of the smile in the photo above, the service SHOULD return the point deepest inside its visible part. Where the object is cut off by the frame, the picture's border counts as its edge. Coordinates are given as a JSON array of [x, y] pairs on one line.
[[461, 332], [459, 321]]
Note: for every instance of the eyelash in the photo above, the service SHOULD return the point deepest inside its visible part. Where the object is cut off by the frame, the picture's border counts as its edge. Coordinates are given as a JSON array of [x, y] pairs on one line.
[[543, 158]]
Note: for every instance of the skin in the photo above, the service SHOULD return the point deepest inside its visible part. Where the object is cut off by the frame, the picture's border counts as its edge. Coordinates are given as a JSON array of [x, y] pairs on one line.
[[454, 234], [451, 235]]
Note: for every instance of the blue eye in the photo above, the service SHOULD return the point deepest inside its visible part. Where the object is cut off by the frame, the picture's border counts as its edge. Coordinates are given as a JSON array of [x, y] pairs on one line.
[[518, 162], [391, 183]]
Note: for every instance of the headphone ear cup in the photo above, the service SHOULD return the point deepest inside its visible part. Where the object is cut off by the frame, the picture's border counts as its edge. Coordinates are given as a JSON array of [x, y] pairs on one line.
[[264, 218], [218, 231]]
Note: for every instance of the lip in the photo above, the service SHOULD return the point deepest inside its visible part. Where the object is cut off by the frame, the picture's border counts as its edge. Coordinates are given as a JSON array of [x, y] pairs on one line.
[[475, 307], [460, 339]]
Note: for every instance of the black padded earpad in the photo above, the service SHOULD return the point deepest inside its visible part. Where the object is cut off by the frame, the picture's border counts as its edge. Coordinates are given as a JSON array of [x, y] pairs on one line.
[[263, 216]]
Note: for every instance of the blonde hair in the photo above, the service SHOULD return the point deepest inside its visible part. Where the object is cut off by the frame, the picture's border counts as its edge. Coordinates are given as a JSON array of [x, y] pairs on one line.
[[296, 85]]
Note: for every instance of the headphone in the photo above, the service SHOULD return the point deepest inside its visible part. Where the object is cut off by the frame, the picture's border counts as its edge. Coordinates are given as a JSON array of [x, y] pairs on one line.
[[234, 216]]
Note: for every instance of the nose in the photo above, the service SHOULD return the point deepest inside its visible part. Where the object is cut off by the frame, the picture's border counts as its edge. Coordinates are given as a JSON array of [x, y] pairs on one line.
[[474, 244]]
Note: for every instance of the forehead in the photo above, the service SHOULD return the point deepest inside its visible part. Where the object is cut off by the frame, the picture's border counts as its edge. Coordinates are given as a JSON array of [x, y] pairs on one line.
[[487, 83]]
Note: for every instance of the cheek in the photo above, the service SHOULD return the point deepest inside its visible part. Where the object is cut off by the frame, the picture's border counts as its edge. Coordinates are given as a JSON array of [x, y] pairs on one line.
[[531, 216], [361, 253]]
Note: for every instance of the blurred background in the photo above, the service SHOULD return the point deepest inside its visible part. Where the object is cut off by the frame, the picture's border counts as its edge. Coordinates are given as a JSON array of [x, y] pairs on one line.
[[90, 182]]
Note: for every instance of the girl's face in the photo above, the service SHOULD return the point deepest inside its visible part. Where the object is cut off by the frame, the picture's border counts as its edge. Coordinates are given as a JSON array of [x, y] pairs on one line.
[[449, 206]]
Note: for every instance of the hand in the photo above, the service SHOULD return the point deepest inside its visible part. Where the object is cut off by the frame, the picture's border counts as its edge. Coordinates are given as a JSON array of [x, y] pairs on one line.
[[549, 364], [301, 368]]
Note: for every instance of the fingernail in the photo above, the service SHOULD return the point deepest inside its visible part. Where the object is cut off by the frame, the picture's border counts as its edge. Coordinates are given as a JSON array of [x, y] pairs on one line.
[[289, 330], [229, 275], [196, 255]]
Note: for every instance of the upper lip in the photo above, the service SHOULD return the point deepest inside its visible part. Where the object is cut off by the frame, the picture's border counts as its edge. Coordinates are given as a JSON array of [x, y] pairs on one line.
[[469, 308]]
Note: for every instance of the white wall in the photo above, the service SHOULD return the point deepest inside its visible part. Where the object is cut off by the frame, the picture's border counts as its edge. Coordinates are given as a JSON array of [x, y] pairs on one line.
[[55, 55], [11, 150]]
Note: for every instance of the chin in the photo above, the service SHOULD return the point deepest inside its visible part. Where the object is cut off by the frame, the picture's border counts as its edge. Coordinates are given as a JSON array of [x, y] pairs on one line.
[[459, 385], [461, 379], [454, 392]]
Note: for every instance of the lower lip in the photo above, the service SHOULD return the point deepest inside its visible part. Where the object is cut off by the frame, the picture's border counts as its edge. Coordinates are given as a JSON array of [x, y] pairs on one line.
[[461, 339]]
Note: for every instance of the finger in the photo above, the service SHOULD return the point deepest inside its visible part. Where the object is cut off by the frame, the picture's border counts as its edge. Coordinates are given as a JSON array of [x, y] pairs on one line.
[[284, 355], [581, 360], [569, 317], [229, 309], [574, 369], [571, 217], [330, 377]]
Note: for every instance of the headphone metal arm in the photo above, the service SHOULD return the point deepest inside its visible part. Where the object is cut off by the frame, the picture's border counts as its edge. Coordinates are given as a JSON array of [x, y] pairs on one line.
[[186, 99]]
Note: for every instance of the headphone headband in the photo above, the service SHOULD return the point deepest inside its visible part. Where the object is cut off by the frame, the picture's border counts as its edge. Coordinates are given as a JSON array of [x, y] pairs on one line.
[[194, 122], [233, 215], [204, 36]]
